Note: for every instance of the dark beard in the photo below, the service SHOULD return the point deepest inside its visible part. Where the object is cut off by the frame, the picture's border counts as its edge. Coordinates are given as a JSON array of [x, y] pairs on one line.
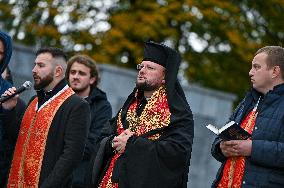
[[145, 86], [44, 82]]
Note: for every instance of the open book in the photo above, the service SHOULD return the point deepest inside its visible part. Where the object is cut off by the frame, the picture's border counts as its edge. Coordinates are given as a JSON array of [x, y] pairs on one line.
[[230, 131]]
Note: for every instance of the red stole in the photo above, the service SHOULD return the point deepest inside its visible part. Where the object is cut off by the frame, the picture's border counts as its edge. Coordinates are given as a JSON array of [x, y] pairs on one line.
[[30, 147], [235, 166], [156, 114]]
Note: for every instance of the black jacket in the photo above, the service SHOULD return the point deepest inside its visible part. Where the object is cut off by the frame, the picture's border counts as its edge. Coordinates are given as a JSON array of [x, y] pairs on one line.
[[8, 144], [6, 147], [264, 168], [66, 139], [100, 114]]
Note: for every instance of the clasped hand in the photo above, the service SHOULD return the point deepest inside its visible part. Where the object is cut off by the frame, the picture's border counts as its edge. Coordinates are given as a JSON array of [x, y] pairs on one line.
[[119, 142], [235, 148]]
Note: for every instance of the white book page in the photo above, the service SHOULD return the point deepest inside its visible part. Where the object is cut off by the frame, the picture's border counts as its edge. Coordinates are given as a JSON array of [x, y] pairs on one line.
[[213, 128], [226, 126]]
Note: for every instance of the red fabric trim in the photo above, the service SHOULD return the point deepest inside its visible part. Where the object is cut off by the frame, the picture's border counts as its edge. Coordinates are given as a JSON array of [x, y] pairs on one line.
[[30, 147], [156, 114], [234, 168]]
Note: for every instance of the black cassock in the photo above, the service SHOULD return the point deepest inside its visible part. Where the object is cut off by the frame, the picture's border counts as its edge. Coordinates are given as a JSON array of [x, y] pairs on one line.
[[161, 163]]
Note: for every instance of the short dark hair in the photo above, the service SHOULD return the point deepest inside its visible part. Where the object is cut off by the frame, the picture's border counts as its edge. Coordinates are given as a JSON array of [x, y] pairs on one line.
[[55, 52], [275, 57], [88, 62]]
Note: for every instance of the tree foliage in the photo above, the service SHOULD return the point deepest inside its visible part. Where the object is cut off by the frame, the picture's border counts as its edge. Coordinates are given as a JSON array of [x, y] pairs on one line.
[[217, 39]]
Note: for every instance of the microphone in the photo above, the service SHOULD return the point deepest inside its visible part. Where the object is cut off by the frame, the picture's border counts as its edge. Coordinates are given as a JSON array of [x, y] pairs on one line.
[[25, 86]]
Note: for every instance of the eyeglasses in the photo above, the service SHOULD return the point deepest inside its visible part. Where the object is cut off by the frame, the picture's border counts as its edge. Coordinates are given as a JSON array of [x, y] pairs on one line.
[[147, 67]]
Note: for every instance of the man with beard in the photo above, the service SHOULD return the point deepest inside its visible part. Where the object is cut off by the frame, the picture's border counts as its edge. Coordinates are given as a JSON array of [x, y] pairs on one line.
[[83, 77], [53, 130], [149, 142]]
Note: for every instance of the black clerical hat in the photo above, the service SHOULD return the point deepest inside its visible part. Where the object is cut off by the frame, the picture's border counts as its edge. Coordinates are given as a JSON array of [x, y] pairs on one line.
[[156, 53]]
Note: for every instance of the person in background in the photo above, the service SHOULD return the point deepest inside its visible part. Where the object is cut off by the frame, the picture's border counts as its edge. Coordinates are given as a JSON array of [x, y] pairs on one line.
[[83, 77], [5, 56], [258, 161], [9, 141], [149, 142], [53, 130]]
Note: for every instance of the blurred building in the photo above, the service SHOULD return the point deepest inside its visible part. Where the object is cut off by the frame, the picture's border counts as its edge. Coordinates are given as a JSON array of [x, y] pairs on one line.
[[208, 106]]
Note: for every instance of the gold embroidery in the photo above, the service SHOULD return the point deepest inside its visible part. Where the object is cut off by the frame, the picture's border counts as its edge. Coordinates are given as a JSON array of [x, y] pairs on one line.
[[156, 114]]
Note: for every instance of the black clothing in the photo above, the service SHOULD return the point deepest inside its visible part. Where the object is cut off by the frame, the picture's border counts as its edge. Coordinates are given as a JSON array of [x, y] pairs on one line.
[[155, 53], [8, 145], [160, 163], [5, 145], [8, 49], [100, 113], [44, 96], [65, 141], [264, 168]]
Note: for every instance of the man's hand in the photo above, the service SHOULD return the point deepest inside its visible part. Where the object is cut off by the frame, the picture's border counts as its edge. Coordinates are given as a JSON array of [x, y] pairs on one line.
[[119, 142], [234, 148], [11, 103]]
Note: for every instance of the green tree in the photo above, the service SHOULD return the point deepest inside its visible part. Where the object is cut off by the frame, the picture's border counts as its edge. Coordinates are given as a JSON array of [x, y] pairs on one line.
[[67, 23], [217, 39]]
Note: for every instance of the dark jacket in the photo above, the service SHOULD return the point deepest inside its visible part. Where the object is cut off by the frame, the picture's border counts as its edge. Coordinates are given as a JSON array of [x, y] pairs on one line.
[[8, 145], [9, 142], [66, 138], [100, 114], [264, 168], [5, 146]]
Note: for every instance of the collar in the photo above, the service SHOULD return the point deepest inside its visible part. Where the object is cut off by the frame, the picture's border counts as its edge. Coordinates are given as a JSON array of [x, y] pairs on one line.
[[43, 96], [270, 96], [278, 89], [96, 94]]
